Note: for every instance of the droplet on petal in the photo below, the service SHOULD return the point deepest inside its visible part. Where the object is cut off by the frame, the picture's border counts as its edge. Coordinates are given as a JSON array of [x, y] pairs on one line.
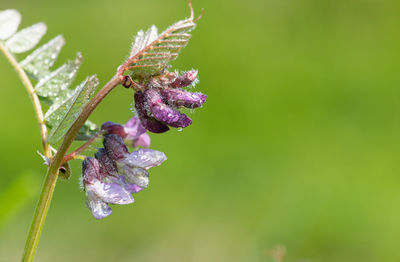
[[137, 176], [145, 158]]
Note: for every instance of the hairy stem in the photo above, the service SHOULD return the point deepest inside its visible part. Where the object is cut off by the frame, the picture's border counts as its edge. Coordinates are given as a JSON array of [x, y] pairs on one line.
[[52, 173], [35, 99]]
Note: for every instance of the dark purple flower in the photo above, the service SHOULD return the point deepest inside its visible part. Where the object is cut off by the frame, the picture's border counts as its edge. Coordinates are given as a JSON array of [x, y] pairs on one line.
[[115, 147], [163, 112], [179, 98], [148, 122], [185, 79]]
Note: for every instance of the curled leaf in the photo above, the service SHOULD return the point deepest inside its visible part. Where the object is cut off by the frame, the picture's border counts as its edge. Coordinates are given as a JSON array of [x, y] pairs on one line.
[[27, 38], [9, 22]]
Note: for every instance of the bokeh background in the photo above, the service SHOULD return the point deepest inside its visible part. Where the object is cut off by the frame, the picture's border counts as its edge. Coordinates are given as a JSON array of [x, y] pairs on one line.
[[295, 154]]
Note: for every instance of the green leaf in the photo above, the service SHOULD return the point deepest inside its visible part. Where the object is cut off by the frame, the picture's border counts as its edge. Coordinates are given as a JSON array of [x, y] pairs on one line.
[[57, 81], [27, 38], [39, 62], [151, 52], [88, 130], [9, 22], [61, 116]]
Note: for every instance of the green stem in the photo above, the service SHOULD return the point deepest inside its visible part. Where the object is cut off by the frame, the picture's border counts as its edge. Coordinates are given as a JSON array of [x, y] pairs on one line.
[[34, 98], [52, 173]]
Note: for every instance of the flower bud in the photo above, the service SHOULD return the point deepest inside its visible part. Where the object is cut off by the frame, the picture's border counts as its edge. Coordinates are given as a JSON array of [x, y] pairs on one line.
[[185, 79], [147, 121], [163, 112], [108, 166], [90, 170], [113, 128], [115, 147], [179, 98]]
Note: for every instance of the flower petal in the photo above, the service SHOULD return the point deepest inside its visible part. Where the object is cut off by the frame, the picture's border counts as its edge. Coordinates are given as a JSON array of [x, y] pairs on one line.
[[179, 97], [185, 79], [110, 192], [144, 158], [138, 176], [113, 128], [132, 188], [143, 141], [99, 209], [90, 170], [163, 112]]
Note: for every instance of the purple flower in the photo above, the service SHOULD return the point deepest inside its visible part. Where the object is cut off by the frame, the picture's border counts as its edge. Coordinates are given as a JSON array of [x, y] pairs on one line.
[[100, 193], [158, 101], [114, 174], [133, 133]]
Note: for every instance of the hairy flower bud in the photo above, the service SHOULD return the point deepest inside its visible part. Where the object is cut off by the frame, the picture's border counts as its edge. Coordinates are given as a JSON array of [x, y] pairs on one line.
[[185, 79], [147, 121], [115, 147], [179, 98], [163, 112], [108, 166], [113, 128], [90, 170]]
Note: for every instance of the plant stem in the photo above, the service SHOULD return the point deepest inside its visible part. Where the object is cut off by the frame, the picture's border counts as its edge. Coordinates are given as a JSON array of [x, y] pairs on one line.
[[76, 152], [35, 99], [52, 173]]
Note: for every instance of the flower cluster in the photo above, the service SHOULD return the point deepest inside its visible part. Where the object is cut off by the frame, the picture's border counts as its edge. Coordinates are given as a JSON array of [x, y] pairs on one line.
[[114, 174], [158, 100]]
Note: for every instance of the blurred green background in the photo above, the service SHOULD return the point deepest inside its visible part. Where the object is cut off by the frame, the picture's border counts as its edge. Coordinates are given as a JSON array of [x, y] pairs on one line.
[[296, 150]]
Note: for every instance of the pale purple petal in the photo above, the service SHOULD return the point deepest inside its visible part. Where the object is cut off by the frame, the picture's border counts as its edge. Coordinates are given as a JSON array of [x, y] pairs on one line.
[[144, 158], [99, 209], [110, 193], [132, 188], [143, 141], [138, 176]]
